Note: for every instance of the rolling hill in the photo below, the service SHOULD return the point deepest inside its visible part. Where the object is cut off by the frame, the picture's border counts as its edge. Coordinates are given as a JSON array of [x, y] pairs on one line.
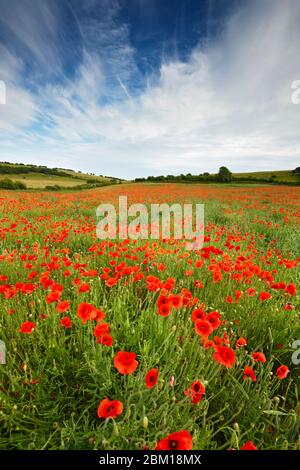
[[42, 177]]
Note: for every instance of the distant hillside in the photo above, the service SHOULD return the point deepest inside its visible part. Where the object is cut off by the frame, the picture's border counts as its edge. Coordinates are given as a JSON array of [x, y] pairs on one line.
[[225, 176], [288, 176], [42, 177]]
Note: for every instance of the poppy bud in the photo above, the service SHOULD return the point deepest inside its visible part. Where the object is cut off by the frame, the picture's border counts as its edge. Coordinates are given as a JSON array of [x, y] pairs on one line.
[[145, 422]]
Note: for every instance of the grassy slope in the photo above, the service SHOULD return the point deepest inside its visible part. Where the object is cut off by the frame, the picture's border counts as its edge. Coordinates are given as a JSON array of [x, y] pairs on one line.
[[284, 175], [39, 180]]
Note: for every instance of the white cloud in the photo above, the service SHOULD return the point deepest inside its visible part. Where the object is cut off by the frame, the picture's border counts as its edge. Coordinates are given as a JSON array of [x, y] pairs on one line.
[[230, 103], [20, 107]]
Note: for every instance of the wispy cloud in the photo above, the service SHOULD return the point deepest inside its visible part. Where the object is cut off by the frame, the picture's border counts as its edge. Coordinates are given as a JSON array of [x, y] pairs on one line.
[[229, 103]]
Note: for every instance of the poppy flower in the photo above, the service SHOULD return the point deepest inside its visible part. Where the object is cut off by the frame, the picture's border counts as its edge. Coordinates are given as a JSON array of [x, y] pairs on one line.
[[249, 446], [66, 322], [151, 378], [197, 314], [291, 289], [27, 327], [241, 342], [282, 372], [175, 301], [249, 372], [264, 296], [162, 300], [203, 328], [181, 440], [110, 409], [87, 312], [28, 288], [106, 339], [63, 306], [214, 319], [196, 391], [251, 291], [164, 310], [83, 288], [101, 329], [259, 357], [111, 282], [125, 362], [224, 356]]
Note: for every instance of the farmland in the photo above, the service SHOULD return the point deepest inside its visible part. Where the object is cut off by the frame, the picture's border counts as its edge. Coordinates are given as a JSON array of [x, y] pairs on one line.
[[41, 177], [118, 344]]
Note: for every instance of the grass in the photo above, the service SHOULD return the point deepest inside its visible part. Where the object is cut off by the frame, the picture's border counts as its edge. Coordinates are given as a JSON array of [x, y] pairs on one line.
[[278, 176], [55, 377], [40, 181], [36, 177]]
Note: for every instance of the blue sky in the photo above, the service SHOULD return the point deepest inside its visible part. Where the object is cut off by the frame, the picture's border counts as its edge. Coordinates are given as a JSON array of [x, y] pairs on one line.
[[137, 87]]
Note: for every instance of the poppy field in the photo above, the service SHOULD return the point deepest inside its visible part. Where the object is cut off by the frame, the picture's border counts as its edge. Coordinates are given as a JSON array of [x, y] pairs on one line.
[[141, 344]]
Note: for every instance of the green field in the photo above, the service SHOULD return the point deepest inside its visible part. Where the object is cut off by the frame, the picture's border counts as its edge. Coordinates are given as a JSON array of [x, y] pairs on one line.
[[38, 177], [280, 176], [218, 326]]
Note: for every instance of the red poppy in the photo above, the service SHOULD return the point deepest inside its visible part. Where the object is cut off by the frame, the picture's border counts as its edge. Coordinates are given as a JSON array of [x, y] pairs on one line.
[[196, 391], [264, 296], [175, 301], [111, 282], [214, 319], [27, 327], [63, 306], [249, 446], [203, 328], [291, 289], [181, 440], [27, 288], [162, 300], [83, 288], [125, 362], [164, 310], [251, 291], [110, 409], [151, 378], [66, 322], [224, 356], [106, 339], [241, 342], [282, 372], [53, 297], [87, 312], [249, 372], [101, 329], [197, 314], [259, 357]]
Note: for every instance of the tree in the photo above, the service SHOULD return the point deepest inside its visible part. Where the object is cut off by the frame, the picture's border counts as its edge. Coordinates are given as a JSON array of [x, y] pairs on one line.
[[296, 171], [224, 175]]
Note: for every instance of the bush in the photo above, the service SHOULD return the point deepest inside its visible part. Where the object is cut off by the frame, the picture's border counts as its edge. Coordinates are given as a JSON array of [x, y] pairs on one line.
[[7, 183]]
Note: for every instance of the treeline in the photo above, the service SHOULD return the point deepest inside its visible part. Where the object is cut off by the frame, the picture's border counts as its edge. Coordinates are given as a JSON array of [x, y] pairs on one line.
[[20, 168], [223, 176]]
